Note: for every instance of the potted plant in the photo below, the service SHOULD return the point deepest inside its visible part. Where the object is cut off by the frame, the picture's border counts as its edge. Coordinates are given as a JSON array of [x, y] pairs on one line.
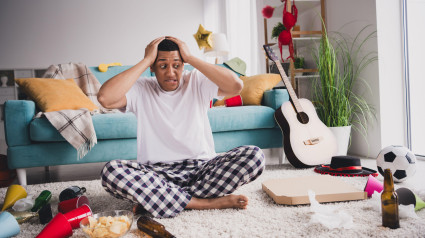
[[298, 64], [339, 62]]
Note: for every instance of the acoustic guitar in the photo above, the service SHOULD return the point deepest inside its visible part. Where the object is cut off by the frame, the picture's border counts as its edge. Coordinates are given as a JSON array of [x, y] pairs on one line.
[[306, 140]]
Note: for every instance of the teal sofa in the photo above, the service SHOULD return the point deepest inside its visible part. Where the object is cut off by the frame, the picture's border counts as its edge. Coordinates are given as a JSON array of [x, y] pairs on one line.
[[34, 142]]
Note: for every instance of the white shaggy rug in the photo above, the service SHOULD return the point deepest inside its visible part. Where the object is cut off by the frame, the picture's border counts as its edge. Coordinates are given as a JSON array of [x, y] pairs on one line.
[[263, 218]]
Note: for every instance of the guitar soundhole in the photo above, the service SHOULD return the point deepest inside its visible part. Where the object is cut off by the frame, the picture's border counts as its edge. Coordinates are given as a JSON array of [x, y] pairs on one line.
[[302, 117]]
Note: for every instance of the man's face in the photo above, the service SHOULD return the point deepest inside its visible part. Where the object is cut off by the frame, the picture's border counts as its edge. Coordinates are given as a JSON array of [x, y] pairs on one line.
[[168, 69]]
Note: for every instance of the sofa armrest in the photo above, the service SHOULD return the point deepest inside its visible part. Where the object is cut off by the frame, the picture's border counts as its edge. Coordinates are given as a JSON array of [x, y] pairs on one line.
[[17, 117], [274, 98]]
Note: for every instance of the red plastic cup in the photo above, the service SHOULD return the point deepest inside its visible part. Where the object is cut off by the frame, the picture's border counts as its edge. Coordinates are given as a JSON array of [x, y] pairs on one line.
[[58, 227], [233, 101], [71, 204], [75, 216]]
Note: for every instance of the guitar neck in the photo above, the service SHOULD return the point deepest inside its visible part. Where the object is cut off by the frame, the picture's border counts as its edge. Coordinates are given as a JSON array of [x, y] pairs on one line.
[[288, 85]]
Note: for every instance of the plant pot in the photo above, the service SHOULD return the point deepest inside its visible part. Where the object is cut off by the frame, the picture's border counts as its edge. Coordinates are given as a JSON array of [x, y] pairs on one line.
[[342, 136], [299, 73], [4, 80]]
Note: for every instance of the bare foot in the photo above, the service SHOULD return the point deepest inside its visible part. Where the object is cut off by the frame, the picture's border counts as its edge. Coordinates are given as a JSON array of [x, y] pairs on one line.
[[229, 201]]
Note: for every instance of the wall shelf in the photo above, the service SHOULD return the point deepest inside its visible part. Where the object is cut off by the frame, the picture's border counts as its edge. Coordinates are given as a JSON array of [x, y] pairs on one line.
[[305, 41], [301, 38]]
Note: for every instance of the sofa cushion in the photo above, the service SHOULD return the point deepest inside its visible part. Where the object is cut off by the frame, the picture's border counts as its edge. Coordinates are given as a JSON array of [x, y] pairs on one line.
[[107, 126], [241, 118], [124, 125], [55, 94], [254, 88]]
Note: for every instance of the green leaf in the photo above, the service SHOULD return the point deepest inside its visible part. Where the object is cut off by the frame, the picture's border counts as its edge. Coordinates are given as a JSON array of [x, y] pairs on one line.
[[277, 29], [340, 61]]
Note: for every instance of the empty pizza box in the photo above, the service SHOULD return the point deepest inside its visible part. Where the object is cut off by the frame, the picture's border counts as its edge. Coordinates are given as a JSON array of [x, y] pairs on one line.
[[294, 191]]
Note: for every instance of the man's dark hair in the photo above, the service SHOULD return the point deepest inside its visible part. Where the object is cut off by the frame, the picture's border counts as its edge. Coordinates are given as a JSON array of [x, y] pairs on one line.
[[167, 45]]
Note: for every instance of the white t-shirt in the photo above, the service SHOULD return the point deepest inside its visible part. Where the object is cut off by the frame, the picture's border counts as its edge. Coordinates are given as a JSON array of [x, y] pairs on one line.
[[173, 126]]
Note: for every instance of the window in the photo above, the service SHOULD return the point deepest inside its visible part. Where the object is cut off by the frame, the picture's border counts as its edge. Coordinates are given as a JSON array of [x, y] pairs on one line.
[[238, 20], [414, 51]]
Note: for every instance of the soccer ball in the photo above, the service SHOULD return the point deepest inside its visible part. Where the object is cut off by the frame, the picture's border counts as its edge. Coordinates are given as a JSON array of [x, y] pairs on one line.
[[399, 159]]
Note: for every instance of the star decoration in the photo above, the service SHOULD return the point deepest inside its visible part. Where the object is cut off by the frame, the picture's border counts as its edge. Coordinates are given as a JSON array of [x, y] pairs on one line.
[[203, 38]]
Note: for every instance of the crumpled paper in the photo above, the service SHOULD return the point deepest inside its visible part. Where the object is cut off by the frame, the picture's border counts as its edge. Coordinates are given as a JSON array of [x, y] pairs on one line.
[[403, 211], [327, 215], [23, 204]]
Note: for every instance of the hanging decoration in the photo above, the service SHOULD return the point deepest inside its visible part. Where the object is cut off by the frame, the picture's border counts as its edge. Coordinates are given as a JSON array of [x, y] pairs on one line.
[[203, 38], [289, 19], [267, 11]]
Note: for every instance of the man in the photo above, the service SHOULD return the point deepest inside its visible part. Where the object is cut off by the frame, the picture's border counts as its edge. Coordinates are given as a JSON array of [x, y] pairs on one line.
[[177, 167]]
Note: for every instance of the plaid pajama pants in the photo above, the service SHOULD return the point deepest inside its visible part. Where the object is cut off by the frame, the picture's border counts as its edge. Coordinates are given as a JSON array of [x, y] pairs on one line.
[[164, 189]]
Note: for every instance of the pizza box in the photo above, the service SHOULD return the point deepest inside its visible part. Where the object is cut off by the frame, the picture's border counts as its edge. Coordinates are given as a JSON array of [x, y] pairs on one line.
[[294, 191]]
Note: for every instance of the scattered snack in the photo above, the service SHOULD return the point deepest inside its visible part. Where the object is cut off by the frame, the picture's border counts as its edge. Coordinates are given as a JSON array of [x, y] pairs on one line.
[[106, 226]]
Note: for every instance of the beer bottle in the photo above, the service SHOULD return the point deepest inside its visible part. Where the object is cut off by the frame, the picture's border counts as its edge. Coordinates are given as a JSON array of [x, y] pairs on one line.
[[389, 202], [44, 215], [152, 228], [41, 200]]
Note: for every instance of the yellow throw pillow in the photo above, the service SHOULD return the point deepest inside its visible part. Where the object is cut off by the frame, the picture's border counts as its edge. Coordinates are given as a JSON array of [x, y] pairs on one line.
[[254, 87], [55, 94]]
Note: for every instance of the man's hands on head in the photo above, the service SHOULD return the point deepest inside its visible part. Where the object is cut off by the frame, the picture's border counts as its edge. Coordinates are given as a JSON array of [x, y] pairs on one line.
[[227, 81], [151, 50], [112, 93], [184, 50]]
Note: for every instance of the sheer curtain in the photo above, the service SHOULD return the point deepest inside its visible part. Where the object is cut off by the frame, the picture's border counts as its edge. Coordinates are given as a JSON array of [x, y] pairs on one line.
[[238, 19]]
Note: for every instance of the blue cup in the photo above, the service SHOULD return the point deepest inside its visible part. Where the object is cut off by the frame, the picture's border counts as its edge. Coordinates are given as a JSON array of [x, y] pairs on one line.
[[8, 225]]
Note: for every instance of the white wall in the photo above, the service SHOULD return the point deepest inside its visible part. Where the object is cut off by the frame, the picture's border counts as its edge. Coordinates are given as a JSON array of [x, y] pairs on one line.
[[349, 17], [37, 33], [385, 76]]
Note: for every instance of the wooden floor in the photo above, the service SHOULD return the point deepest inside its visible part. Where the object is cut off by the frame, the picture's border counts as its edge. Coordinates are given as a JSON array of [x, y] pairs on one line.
[[92, 171]]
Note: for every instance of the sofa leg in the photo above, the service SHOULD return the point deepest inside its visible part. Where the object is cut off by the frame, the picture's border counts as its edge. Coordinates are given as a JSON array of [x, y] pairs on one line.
[[22, 176], [276, 155], [282, 155]]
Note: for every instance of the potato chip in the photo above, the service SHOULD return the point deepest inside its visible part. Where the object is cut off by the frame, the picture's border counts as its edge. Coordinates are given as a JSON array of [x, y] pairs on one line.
[[107, 226]]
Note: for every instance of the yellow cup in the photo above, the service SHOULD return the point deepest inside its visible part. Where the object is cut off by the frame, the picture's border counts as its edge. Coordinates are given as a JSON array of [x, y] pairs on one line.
[[13, 194]]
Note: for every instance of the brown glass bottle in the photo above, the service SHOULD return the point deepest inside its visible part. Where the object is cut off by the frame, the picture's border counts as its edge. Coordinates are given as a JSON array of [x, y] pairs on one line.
[[153, 228], [389, 202]]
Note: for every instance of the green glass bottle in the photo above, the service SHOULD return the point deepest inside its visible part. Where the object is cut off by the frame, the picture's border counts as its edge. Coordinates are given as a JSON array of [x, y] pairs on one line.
[[389, 202], [44, 215], [22, 217], [41, 200]]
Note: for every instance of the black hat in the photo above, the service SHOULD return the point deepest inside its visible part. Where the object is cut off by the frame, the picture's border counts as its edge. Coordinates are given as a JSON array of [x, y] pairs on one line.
[[345, 166]]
